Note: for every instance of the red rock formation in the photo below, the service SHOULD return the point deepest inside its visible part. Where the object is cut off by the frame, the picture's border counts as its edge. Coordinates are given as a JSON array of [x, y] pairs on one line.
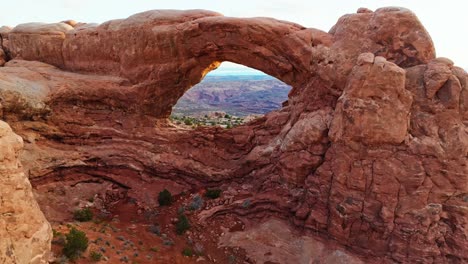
[[371, 147]]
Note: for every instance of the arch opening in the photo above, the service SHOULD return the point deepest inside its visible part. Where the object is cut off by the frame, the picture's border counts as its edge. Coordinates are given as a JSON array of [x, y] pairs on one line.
[[228, 96]]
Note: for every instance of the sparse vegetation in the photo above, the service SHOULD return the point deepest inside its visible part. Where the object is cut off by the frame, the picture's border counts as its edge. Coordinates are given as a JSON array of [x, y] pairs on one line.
[[196, 203], [216, 119], [168, 242], [181, 210], [56, 233], [154, 249], [95, 256], [198, 249], [232, 259], [59, 238], [83, 215], [76, 243], [187, 252], [165, 198], [213, 193], [155, 229], [182, 225]]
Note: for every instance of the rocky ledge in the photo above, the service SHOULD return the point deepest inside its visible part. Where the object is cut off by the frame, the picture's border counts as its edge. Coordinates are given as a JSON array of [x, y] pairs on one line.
[[370, 149]]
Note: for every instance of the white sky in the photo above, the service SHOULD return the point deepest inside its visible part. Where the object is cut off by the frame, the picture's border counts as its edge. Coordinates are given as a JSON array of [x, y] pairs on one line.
[[446, 21]]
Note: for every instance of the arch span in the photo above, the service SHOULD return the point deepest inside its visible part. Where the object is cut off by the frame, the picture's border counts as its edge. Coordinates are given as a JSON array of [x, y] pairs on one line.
[[172, 55], [165, 52]]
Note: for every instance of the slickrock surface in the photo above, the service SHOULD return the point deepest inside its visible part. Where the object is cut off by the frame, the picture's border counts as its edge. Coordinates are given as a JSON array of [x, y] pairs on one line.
[[25, 233], [370, 150], [275, 242]]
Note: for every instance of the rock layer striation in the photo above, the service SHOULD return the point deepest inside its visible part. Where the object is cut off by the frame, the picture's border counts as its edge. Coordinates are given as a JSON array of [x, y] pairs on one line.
[[370, 148]]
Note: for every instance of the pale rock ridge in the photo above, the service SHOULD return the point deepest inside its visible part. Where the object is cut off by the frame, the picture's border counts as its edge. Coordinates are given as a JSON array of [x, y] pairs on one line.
[[25, 233]]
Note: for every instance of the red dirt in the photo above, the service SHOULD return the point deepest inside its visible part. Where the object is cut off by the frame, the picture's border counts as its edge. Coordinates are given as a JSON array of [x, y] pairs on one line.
[[126, 233]]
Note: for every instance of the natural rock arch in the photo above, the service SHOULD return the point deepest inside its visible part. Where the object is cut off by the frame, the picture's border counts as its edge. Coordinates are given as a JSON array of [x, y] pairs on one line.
[[167, 52], [372, 140]]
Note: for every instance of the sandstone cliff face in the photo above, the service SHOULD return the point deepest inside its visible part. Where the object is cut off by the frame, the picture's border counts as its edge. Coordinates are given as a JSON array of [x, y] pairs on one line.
[[371, 147], [25, 233]]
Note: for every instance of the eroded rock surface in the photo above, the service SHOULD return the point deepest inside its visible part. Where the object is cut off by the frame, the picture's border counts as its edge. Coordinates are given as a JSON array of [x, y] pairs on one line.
[[275, 242], [370, 149], [25, 233]]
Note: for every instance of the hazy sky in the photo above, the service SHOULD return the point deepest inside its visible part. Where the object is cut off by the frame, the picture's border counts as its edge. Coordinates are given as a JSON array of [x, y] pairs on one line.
[[446, 21]]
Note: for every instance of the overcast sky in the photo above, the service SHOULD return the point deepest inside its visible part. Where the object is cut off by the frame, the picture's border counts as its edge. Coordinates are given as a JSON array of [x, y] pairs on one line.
[[446, 21]]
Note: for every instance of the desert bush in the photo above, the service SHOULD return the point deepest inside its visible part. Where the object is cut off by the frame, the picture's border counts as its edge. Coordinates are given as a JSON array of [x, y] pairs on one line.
[[181, 210], [187, 252], [196, 204], [155, 229], [168, 242], [76, 243], [95, 256], [83, 215], [58, 238], [154, 249], [165, 198], [182, 225], [213, 193], [198, 249], [188, 122]]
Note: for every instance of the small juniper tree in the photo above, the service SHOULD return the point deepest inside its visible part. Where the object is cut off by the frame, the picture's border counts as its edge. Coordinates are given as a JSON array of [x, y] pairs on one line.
[[213, 193], [182, 225], [165, 198], [76, 243], [83, 215]]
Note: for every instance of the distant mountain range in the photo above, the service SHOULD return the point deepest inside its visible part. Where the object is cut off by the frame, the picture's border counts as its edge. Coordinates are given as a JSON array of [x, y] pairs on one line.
[[239, 95]]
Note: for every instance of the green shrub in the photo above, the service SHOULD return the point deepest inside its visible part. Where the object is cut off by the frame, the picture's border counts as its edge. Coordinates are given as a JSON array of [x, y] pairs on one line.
[[165, 198], [76, 243], [181, 210], [56, 233], [95, 256], [188, 122], [187, 252], [213, 193], [59, 238], [182, 225], [83, 215]]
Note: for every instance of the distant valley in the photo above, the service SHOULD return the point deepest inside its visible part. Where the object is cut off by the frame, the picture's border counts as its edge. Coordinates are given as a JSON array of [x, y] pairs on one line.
[[238, 95]]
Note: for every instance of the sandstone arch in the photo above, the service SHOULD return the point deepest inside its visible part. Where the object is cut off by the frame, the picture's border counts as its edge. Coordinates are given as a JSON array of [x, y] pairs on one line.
[[143, 49], [371, 148]]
